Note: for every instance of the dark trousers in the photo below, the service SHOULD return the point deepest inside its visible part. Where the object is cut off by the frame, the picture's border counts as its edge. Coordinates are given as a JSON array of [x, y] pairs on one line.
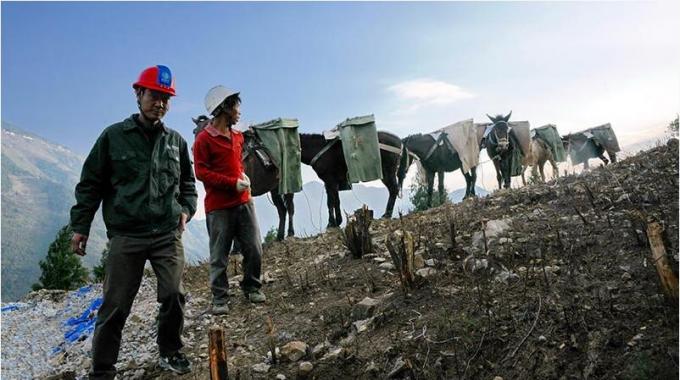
[[124, 271], [224, 226]]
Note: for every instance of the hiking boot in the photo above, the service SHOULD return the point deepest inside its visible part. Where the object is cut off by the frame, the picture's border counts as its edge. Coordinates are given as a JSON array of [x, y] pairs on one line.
[[176, 362], [255, 296], [219, 309]]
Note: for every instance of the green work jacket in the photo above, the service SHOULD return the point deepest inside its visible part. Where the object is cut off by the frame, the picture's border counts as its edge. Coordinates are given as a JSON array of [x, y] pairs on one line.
[[143, 183]]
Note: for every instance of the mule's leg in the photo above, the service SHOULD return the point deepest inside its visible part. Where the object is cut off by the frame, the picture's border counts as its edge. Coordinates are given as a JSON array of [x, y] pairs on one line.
[[556, 171], [540, 168], [499, 177], [330, 202], [468, 179], [586, 166], [290, 208], [338, 212], [440, 186], [430, 184], [473, 181], [281, 209], [612, 156], [505, 172], [393, 188], [604, 159]]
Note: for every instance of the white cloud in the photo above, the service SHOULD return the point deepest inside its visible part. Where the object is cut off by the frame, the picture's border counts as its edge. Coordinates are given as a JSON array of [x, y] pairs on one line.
[[428, 92]]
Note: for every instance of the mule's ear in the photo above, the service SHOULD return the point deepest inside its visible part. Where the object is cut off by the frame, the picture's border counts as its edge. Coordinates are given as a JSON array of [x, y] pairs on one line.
[[507, 118], [194, 120], [490, 118]]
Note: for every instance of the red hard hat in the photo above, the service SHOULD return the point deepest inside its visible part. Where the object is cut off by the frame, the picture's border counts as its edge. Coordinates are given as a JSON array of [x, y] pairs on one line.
[[157, 78]]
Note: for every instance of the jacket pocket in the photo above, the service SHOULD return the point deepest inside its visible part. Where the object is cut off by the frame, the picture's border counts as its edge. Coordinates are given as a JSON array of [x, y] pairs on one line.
[[124, 167]]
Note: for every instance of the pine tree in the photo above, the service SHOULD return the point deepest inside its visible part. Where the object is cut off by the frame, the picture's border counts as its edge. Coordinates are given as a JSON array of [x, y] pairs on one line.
[[99, 271], [418, 197], [61, 269]]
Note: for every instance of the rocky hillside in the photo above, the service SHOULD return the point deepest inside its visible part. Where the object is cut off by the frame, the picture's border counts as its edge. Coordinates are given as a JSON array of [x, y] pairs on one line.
[[565, 288]]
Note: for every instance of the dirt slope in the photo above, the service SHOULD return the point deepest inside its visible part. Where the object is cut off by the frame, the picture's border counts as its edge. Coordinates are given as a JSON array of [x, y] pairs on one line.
[[580, 297]]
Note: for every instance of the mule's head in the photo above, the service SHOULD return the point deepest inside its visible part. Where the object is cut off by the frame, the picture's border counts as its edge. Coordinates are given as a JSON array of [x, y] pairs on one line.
[[201, 122], [500, 130]]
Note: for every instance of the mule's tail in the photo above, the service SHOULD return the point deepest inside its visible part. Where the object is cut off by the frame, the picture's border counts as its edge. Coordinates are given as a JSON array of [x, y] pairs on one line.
[[404, 163]]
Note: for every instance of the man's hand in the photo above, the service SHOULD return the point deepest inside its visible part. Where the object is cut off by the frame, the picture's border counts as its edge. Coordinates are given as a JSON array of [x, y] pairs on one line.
[[183, 222], [79, 243], [243, 183]]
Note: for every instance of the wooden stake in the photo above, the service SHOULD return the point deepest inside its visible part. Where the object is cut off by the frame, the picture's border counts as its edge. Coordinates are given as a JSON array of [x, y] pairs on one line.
[[218, 354], [669, 282]]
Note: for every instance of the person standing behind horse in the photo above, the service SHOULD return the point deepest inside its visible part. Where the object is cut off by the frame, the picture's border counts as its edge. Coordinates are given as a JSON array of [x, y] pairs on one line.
[[141, 172], [230, 212]]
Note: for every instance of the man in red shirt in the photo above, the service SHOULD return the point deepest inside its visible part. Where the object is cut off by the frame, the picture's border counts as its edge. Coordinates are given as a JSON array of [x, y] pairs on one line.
[[230, 213]]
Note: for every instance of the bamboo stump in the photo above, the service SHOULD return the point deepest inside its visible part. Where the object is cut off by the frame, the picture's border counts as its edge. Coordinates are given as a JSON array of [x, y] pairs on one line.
[[271, 338], [357, 235], [452, 228], [401, 246], [669, 282], [218, 354]]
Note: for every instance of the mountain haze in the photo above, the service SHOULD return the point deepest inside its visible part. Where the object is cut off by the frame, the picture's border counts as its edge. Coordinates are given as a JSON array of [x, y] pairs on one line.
[[38, 182]]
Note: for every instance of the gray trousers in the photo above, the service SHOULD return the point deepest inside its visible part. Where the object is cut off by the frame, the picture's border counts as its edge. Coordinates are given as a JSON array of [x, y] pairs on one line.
[[224, 226], [124, 271]]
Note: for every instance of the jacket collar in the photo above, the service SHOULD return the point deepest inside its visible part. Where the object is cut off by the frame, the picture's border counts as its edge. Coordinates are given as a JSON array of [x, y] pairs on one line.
[[212, 131], [131, 123]]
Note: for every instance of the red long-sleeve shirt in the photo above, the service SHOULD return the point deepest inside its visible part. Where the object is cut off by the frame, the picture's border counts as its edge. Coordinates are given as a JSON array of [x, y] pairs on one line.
[[217, 163]]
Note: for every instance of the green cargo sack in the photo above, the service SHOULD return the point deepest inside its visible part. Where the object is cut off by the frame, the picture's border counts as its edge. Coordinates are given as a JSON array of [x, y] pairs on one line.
[[360, 147], [604, 134], [517, 159], [280, 136], [585, 143], [549, 135]]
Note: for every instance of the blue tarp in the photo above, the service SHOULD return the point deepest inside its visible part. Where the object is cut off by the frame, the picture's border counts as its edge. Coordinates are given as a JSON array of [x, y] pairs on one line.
[[83, 291], [84, 324], [80, 327], [11, 307]]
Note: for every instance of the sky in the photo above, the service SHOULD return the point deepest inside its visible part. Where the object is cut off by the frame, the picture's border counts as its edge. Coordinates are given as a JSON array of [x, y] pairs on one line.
[[67, 68]]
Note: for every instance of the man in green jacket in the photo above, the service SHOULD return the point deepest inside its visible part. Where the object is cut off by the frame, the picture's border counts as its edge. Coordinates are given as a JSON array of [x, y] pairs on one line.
[[141, 172]]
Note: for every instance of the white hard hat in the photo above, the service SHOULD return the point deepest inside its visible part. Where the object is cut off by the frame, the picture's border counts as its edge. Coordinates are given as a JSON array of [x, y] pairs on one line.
[[216, 96]]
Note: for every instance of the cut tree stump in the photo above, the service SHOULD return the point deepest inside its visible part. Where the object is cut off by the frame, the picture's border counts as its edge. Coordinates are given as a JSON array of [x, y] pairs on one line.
[[401, 247], [357, 235], [218, 354], [669, 282]]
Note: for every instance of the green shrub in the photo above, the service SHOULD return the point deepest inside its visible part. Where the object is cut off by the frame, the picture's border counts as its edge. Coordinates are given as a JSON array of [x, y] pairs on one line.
[[270, 237], [418, 197]]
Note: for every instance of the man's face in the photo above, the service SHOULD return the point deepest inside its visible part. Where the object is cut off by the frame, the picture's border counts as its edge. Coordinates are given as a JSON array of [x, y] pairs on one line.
[[233, 114], [153, 104]]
